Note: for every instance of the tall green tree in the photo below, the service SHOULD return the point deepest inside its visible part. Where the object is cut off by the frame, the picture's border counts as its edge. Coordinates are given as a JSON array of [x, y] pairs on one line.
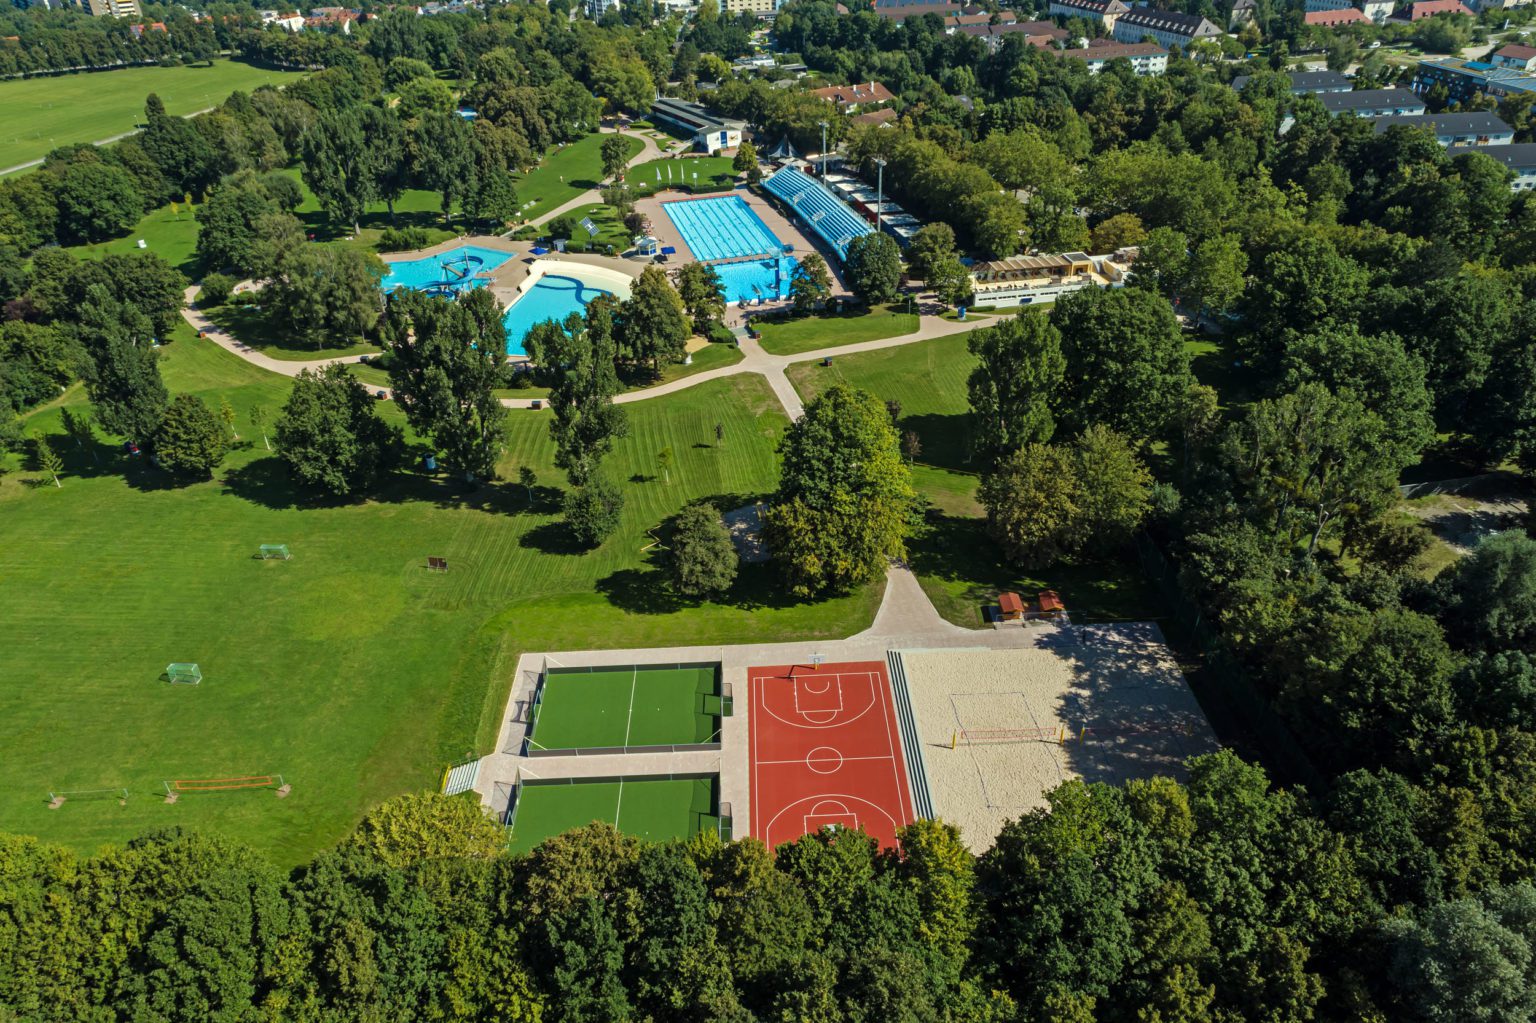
[[1020, 367], [615, 154], [190, 441], [812, 284], [703, 295], [1126, 364], [122, 374], [330, 433], [703, 558], [844, 501], [444, 367], [873, 268], [337, 164], [652, 324], [580, 360]]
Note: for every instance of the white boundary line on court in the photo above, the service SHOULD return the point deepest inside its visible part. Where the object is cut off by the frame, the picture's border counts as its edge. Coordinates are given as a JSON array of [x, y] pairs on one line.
[[618, 804], [801, 762], [871, 678], [629, 720]]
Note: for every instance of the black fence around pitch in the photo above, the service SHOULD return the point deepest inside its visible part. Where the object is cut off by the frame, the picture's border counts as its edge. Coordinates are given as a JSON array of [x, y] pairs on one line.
[[720, 822], [532, 749], [598, 751]]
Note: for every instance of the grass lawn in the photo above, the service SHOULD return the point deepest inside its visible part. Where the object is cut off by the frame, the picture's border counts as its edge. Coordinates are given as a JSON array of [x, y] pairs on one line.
[[794, 335], [633, 706], [564, 174], [712, 172], [170, 233], [251, 324], [349, 669], [657, 809], [610, 229], [42, 114]]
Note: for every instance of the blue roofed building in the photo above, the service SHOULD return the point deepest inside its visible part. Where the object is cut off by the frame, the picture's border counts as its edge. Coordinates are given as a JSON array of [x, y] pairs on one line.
[[1465, 79]]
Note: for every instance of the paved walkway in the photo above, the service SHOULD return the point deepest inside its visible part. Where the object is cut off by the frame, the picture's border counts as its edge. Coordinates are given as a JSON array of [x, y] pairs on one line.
[[649, 151]]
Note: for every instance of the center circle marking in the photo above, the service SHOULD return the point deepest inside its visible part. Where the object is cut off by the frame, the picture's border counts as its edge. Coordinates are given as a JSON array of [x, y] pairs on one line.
[[824, 760]]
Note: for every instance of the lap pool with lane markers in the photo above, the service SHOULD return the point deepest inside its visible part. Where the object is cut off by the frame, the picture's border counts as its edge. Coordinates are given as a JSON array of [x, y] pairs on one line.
[[725, 228]]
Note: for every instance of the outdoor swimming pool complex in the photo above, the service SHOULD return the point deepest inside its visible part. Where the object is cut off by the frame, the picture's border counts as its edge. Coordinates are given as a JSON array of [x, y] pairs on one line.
[[446, 273], [552, 297], [723, 231]]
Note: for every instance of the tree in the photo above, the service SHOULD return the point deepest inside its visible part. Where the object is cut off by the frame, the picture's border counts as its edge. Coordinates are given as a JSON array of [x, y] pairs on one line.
[[703, 558], [592, 511], [190, 441], [950, 281], [615, 154], [1020, 368], [579, 358], [260, 419], [652, 325], [97, 201], [1031, 502], [330, 433], [444, 367], [931, 244], [845, 495], [912, 446], [703, 295], [122, 376], [79, 428], [409, 830], [444, 148], [1115, 488], [229, 224], [337, 164], [1117, 232], [1213, 277], [1126, 366], [527, 479], [227, 417], [664, 460], [745, 160], [873, 268], [1471, 959], [325, 293], [1305, 461], [48, 459], [1490, 595], [812, 284]]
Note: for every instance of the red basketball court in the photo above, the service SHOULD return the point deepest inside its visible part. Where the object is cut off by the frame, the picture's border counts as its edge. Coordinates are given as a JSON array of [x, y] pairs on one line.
[[826, 752]]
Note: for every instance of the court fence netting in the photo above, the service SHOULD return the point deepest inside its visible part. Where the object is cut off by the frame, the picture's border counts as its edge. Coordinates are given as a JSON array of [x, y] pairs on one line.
[[721, 704], [720, 822]]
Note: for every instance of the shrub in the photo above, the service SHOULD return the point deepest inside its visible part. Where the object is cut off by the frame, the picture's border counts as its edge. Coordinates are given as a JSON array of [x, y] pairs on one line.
[[398, 239], [216, 290]]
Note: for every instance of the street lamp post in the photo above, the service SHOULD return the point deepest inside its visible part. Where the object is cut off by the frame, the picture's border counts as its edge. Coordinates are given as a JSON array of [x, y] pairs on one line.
[[823, 149], [879, 191]]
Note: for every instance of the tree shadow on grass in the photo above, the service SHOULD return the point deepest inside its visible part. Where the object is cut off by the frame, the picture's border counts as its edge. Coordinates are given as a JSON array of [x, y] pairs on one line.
[[552, 538], [944, 439]]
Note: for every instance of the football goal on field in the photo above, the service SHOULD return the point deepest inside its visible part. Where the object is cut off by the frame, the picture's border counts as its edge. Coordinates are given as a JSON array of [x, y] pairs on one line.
[[186, 673]]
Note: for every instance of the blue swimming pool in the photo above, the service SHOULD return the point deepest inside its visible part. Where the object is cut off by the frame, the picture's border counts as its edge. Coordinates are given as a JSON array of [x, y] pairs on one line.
[[726, 228], [552, 297], [447, 272]]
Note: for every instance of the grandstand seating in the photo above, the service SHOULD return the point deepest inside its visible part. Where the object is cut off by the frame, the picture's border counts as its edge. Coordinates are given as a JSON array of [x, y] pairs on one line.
[[827, 215]]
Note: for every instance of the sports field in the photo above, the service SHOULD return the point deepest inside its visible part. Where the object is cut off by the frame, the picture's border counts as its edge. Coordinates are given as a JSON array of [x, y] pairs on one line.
[[42, 114], [639, 705], [655, 809]]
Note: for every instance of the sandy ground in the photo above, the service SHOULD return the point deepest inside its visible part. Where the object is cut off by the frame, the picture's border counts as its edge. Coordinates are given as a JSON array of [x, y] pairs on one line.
[[1101, 703], [1473, 511]]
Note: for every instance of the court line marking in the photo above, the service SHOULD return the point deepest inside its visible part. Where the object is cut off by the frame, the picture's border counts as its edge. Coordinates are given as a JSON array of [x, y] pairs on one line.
[[801, 761], [618, 805], [634, 679], [768, 832], [839, 722]]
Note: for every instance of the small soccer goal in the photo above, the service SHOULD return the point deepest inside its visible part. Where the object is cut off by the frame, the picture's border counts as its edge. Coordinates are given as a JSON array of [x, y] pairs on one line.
[[59, 797], [183, 673], [177, 787], [273, 552]]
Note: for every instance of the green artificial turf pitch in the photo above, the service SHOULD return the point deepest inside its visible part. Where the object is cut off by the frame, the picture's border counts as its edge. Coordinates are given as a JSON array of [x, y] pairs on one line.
[[655, 809], [634, 706]]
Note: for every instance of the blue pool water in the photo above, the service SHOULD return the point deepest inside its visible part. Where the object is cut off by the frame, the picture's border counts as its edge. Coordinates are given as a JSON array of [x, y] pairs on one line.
[[725, 227], [552, 297], [448, 272]]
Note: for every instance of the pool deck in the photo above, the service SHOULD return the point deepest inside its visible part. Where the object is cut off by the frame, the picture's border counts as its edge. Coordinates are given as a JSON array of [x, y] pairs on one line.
[[509, 276], [663, 230]]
